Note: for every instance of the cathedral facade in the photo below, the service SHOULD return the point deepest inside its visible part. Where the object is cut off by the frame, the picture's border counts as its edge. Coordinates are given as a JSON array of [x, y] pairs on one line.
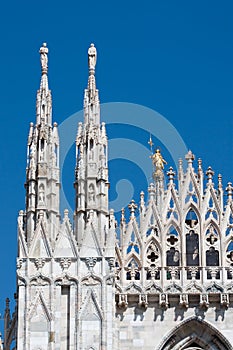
[[165, 282]]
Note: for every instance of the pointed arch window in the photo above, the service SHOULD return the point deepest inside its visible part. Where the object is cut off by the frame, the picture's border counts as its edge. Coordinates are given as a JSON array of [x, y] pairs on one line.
[[192, 248], [152, 257], [133, 270], [152, 254], [172, 231], [173, 257]]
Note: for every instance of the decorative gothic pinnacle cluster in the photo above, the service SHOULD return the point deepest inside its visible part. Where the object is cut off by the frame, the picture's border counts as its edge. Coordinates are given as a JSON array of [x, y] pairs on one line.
[[181, 242]]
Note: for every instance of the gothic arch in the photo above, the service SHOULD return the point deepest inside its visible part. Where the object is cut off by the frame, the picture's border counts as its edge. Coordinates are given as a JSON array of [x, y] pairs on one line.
[[196, 333], [136, 267], [214, 223], [212, 248], [133, 256], [41, 276], [62, 279], [156, 243], [192, 206], [172, 222], [133, 288], [132, 229]]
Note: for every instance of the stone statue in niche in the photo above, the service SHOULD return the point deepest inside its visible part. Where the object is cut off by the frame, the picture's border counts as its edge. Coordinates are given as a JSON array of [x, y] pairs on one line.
[[173, 257], [41, 194], [32, 156], [212, 257], [91, 193], [192, 248]]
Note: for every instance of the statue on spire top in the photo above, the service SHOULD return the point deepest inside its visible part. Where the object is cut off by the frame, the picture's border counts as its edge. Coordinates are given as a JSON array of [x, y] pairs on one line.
[[44, 58], [158, 161], [92, 56]]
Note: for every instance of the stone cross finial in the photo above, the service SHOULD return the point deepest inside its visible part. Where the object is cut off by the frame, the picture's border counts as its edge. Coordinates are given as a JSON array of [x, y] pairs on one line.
[[209, 174], [44, 58], [151, 191], [92, 57], [219, 181], [132, 207], [171, 174]]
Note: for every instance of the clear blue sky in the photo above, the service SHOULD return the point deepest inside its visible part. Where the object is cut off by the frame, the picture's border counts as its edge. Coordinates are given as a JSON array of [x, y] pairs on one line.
[[175, 57]]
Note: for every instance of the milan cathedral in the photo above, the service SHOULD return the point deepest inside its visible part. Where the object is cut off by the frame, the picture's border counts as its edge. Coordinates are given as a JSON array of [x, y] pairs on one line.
[[165, 282]]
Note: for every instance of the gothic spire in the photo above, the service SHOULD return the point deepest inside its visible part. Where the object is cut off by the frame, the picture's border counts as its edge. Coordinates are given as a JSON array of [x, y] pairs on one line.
[[91, 181], [42, 175], [44, 100], [158, 175], [91, 94]]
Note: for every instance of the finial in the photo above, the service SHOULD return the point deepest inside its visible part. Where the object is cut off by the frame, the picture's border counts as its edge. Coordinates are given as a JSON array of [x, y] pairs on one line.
[[66, 214], [209, 174], [190, 158], [142, 196], [229, 190], [199, 165], [150, 142], [92, 57], [151, 191], [132, 207], [181, 164], [219, 181], [44, 58], [171, 174]]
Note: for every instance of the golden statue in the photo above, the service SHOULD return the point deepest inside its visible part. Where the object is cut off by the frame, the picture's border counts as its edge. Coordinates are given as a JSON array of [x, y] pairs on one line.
[[158, 161]]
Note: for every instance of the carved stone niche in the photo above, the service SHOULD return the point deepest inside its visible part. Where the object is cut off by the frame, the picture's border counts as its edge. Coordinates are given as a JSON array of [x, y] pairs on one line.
[[224, 300], [143, 301], [163, 300], [123, 301], [184, 300], [204, 301]]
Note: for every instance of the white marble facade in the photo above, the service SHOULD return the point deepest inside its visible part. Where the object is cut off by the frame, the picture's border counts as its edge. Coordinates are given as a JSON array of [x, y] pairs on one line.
[[166, 282]]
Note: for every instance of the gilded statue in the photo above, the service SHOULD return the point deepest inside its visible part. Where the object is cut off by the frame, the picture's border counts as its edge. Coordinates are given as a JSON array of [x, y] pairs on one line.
[[158, 161]]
